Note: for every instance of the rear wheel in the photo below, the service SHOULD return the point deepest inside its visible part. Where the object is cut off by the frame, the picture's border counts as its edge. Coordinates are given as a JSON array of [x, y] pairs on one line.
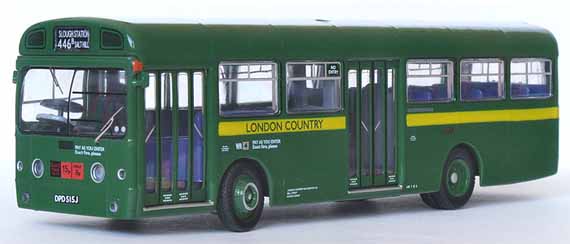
[[240, 201], [457, 183]]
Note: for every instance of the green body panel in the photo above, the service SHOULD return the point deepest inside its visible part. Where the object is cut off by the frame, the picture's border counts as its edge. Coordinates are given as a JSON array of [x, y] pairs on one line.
[[312, 163], [506, 152], [298, 163], [95, 198]]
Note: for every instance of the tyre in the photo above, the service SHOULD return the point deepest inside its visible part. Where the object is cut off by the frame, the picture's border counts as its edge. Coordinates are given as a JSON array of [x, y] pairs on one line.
[[457, 182], [240, 200]]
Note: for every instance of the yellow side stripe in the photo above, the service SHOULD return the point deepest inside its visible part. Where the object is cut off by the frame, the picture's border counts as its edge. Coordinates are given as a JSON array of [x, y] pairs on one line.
[[270, 126], [484, 116]]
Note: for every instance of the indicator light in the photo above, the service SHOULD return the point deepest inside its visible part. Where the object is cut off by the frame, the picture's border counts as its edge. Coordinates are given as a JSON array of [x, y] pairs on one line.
[[137, 66], [121, 174], [19, 166]]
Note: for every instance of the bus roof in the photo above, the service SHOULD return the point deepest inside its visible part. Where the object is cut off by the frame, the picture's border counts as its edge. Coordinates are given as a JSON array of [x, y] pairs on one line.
[[335, 23], [172, 42]]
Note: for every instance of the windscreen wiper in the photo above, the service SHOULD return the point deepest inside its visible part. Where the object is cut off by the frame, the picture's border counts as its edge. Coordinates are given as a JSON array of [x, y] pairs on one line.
[[108, 125], [54, 80]]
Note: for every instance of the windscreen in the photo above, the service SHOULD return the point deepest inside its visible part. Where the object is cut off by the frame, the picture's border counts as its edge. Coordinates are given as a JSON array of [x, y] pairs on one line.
[[74, 102]]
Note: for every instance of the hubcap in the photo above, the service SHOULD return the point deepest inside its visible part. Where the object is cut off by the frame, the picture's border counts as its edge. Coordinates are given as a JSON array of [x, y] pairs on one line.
[[250, 199], [458, 177], [454, 178], [246, 196]]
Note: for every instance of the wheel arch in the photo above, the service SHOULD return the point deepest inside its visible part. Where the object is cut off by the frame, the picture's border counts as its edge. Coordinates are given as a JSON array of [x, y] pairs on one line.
[[259, 166], [475, 154]]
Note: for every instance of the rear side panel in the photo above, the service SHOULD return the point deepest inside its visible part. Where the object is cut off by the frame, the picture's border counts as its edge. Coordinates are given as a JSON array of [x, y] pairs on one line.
[[512, 140]]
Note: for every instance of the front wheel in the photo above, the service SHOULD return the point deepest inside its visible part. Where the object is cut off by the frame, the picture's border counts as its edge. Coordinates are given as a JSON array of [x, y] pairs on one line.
[[240, 201], [457, 183]]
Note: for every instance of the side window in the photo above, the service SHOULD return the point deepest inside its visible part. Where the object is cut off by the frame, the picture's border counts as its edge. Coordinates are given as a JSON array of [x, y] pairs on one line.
[[482, 79], [313, 87], [531, 78], [247, 88], [429, 80]]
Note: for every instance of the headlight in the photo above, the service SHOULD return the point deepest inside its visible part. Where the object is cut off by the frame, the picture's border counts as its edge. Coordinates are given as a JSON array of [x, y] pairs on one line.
[[19, 166], [38, 168], [97, 172]]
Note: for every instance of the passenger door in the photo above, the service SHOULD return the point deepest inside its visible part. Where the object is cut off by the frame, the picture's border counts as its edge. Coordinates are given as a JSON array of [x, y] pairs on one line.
[[371, 118], [174, 141]]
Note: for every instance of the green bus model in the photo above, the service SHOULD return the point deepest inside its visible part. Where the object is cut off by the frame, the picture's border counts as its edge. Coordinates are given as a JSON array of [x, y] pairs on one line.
[[131, 120]]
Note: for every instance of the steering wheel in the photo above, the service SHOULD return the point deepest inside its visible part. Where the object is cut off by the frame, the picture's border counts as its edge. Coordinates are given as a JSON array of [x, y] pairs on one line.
[[52, 119], [60, 104]]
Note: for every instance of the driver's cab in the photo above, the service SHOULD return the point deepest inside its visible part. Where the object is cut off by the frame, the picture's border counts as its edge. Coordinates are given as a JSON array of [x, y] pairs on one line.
[[76, 135], [76, 117], [97, 133]]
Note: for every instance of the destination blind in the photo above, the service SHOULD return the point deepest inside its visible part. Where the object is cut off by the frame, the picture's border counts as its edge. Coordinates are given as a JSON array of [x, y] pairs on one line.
[[71, 38]]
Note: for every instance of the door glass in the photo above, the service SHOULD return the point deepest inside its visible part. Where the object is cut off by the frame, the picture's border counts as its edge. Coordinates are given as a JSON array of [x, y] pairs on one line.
[[198, 131], [352, 123], [390, 125], [150, 134], [183, 159], [365, 133], [166, 132], [379, 134]]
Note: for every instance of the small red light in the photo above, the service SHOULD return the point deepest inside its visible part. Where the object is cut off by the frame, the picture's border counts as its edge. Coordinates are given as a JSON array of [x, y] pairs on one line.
[[137, 66]]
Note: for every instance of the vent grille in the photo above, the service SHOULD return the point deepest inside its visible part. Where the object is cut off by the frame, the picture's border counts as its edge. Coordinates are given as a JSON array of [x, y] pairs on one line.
[[111, 39], [36, 39]]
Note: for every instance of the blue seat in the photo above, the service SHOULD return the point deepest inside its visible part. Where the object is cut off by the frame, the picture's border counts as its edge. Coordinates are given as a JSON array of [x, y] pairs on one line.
[[538, 90], [419, 94], [475, 94], [422, 96], [519, 90], [439, 92]]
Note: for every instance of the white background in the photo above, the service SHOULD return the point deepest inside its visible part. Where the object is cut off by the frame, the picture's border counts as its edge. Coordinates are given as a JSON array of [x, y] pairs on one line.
[[533, 212]]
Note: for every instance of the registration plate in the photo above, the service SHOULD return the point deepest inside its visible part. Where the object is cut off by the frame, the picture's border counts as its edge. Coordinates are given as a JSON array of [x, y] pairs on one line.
[[71, 38], [66, 199]]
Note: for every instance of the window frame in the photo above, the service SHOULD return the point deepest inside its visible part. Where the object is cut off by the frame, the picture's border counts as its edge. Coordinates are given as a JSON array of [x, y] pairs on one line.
[[526, 60], [313, 62], [275, 91], [501, 75], [20, 102], [451, 75]]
